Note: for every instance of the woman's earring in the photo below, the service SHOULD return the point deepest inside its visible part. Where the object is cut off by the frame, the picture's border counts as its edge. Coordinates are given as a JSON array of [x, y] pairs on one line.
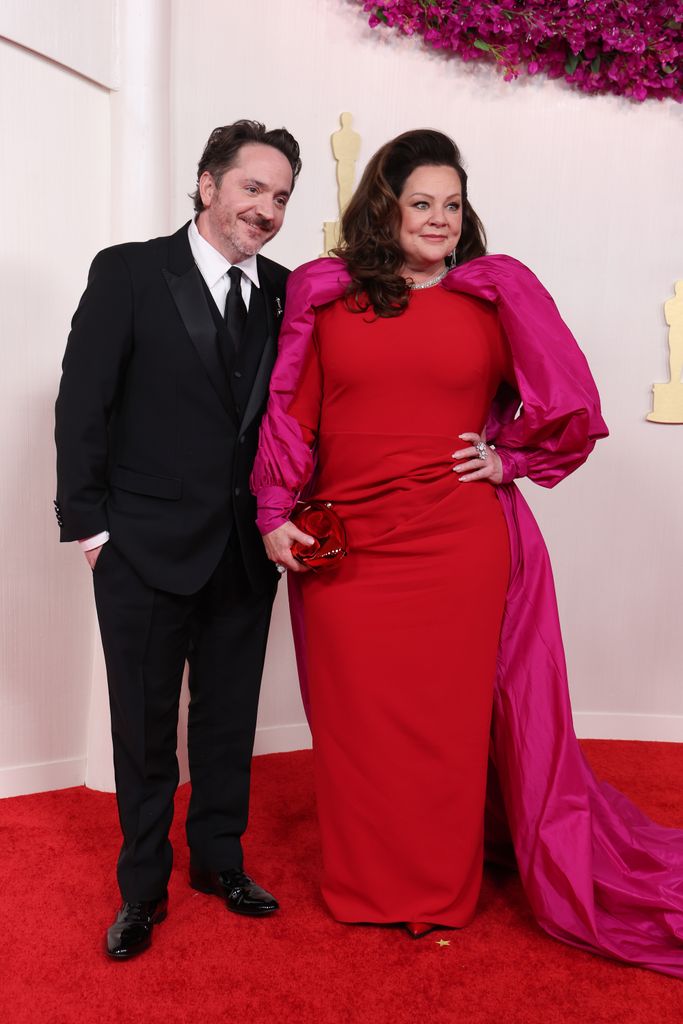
[[451, 260]]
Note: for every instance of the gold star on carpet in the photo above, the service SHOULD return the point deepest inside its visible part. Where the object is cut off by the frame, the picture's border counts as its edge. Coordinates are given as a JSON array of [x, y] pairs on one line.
[[443, 942]]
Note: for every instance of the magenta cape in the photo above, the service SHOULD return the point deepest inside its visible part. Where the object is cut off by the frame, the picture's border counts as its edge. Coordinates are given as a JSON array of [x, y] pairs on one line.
[[598, 873]]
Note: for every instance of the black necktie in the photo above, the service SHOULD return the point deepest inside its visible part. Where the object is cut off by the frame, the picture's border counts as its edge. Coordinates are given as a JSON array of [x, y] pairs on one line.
[[235, 310]]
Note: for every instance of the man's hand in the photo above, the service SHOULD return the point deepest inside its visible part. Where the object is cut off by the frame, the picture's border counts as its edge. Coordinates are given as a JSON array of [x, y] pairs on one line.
[[93, 555], [278, 544]]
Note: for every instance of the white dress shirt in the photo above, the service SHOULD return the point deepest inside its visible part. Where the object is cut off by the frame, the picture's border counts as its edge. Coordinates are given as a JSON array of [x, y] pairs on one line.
[[213, 267]]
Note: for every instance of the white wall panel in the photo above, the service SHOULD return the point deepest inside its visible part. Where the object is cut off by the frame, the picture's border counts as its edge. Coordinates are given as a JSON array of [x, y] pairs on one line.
[[54, 208], [80, 34], [586, 190]]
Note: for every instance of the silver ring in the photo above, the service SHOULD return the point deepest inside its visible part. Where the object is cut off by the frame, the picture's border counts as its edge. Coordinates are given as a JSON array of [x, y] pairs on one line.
[[280, 568], [482, 451]]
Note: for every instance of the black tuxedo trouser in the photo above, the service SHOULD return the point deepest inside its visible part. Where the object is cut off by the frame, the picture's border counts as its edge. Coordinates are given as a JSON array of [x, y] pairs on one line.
[[147, 635]]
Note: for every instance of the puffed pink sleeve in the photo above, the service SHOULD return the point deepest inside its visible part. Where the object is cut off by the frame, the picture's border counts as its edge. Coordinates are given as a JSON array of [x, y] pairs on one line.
[[546, 425], [285, 458], [275, 501], [305, 406]]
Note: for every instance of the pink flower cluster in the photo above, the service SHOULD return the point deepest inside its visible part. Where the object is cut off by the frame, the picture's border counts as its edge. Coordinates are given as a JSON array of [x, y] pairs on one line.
[[630, 47]]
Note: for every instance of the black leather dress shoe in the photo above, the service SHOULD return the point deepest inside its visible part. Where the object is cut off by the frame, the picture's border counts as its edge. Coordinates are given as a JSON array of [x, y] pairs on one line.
[[131, 932], [240, 893]]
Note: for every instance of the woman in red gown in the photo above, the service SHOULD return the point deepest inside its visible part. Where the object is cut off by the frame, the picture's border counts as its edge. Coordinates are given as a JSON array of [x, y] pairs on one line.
[[401, 640], [386, 374]]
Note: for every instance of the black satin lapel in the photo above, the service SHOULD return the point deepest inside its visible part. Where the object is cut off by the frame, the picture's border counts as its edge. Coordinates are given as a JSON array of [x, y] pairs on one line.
[[262, 379], [189, 297]]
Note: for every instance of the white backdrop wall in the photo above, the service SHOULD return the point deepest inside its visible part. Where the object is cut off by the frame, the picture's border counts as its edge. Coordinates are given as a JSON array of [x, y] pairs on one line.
[[583, 189], [54, 197], [586, 191]]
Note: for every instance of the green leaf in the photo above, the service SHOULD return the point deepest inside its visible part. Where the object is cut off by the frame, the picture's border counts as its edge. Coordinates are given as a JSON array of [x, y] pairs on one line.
[[481, 45], [595, 64], [668, 69], [572, 63]]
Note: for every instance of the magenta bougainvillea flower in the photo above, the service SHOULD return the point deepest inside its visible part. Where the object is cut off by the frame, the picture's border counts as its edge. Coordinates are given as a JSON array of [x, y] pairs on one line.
[[633, 48]]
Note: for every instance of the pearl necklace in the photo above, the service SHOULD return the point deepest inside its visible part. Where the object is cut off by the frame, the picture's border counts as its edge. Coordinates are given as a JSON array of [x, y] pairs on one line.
[[431, 282]]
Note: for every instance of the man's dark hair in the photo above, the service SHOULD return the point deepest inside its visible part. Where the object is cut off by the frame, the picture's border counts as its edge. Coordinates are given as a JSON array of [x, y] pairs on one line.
[[220, 152]]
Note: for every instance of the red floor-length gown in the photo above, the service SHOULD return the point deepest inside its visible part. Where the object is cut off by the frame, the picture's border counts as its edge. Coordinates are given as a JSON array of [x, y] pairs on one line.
[[401, 640]]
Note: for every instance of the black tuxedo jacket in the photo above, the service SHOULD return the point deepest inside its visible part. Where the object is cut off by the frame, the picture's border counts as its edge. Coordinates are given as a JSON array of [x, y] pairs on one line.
[[150, 443]]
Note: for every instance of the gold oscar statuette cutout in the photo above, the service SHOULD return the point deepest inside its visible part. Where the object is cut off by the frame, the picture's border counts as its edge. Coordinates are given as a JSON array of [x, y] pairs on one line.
[[667, 399], [345, 148]]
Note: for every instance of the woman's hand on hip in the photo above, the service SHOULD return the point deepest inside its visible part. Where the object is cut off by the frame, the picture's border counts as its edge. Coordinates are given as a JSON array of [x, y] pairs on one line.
[[477, 461], [278, 545]]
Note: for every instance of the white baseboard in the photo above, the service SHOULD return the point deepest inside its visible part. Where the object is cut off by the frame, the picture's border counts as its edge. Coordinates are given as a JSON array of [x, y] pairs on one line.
[[604, 725], [275, 739], [40, 778], [272, 739]]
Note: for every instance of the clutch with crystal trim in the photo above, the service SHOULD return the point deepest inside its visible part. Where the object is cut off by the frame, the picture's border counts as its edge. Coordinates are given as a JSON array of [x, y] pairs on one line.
[[319, 520]]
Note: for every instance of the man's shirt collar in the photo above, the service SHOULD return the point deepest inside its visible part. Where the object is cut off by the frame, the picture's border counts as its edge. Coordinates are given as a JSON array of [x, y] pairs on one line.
[[212, 264]]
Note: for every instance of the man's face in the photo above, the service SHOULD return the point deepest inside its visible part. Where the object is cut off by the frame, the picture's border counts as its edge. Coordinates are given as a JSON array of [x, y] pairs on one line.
[[248, 207]]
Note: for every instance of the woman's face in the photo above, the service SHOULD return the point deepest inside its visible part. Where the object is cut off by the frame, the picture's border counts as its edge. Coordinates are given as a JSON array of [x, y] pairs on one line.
[[431, 217]]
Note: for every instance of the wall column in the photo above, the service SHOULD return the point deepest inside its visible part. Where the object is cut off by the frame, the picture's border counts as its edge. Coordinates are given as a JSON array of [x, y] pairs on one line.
[[140, 209]]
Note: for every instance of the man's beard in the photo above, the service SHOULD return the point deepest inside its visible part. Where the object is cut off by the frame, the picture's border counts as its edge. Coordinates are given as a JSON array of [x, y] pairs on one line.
[[245, 247]]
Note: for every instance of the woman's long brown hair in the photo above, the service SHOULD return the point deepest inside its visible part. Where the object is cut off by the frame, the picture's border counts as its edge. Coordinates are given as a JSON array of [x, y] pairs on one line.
[[371, 222]]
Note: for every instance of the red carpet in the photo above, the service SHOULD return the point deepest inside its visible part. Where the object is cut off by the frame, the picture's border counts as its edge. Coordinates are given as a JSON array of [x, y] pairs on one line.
[[299, 967]]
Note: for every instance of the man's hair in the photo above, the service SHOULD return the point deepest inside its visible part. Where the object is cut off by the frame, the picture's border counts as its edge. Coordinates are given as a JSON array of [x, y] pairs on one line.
[[222, 149]]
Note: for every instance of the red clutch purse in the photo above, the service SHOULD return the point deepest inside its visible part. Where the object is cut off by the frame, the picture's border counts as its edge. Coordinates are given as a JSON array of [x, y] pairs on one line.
[[319, 520]]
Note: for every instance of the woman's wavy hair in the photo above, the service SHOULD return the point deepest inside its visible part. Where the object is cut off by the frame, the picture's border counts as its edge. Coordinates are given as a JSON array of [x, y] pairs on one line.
[[371, 223]]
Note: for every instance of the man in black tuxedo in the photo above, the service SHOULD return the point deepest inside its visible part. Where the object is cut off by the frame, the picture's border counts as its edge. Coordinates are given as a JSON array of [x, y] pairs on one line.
[[165, 379]]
